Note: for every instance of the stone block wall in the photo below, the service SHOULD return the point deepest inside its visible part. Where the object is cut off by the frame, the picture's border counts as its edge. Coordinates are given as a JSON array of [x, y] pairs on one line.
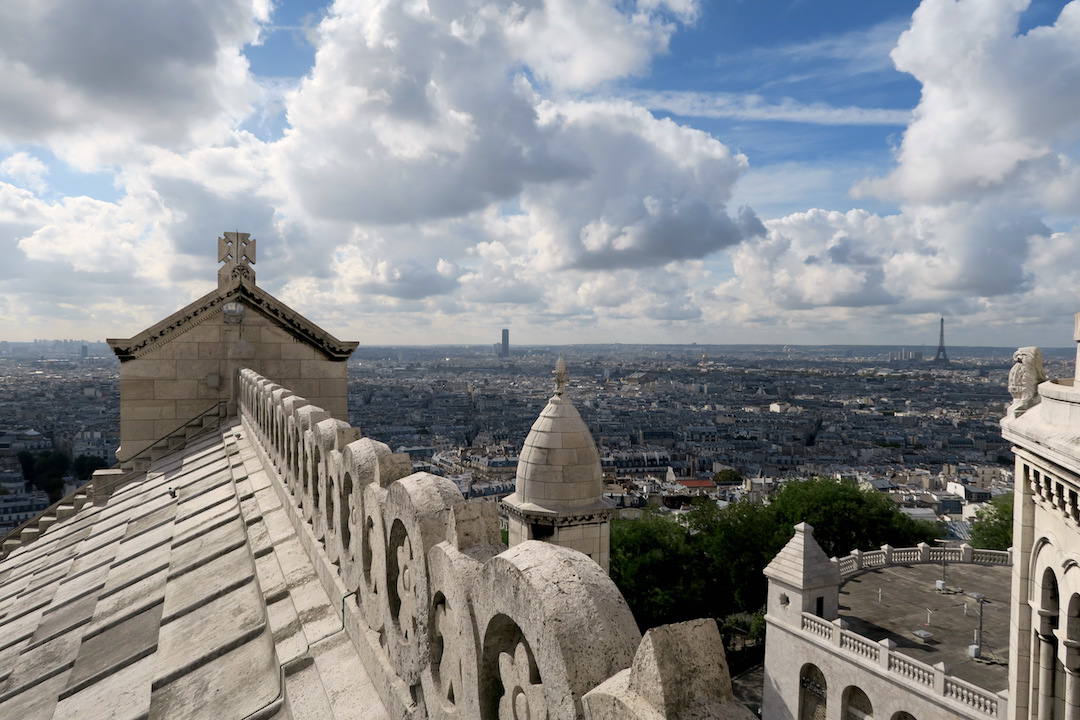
[[189, 373], [451, 624]]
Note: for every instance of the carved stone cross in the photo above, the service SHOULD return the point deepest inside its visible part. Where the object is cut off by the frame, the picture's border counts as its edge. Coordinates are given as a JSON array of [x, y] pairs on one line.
[[237, 251]]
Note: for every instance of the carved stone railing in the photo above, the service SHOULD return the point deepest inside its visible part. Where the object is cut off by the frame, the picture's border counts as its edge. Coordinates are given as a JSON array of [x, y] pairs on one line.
[[860, 561], [913, 670], [931, 681], [814, 624], [451, 624], [857, 644]]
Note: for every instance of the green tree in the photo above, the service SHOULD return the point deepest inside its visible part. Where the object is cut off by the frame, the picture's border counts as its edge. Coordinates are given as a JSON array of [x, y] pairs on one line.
[[734, 543], [26, 462], [845, 517], [711, 565], [657, 568], [728, 477], [45, 469], [85, 465], [993, 524]]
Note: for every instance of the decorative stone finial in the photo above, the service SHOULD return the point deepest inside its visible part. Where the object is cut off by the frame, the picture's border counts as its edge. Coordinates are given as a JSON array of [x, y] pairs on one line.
[[1024, 379], [237, 251], [561, 376]]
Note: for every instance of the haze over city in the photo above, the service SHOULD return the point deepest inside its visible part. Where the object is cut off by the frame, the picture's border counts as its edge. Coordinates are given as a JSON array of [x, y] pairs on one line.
[[657, 171]]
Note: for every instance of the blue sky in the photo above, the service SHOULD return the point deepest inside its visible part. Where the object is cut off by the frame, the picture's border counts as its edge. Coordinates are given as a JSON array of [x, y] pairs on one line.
[[623, 170]]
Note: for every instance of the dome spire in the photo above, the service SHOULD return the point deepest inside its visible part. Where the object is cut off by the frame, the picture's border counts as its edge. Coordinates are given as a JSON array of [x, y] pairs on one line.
[[561, 376]]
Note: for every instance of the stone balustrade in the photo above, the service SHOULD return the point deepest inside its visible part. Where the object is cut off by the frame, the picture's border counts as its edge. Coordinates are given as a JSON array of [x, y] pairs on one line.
[[450, 623], [880, 656], [860, 561]]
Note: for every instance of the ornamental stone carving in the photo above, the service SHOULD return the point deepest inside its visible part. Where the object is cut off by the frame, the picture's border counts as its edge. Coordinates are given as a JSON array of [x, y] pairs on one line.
[[1024, 378], [451, 624], [523, 695]]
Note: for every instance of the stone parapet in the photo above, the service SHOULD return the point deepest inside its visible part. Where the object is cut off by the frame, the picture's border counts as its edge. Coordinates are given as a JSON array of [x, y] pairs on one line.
[[449, 622], [861, 560], [929, 681]]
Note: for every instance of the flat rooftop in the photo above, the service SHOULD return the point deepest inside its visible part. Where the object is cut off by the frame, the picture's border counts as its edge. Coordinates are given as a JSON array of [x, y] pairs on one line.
[[906, 592]]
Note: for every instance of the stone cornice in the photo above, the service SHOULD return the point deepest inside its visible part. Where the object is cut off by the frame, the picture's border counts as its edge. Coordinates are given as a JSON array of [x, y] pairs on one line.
[[252, 296], [561, 517]]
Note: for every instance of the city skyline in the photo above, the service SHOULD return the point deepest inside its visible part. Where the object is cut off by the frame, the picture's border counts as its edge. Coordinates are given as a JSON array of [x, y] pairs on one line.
[[646, 172]]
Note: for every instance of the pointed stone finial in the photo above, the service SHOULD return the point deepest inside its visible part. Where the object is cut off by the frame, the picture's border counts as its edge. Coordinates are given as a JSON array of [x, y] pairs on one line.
[[237, 251], [561, 376]]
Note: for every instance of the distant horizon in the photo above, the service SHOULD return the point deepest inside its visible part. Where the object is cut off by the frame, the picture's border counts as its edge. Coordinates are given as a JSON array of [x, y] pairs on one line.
[[489, 346]]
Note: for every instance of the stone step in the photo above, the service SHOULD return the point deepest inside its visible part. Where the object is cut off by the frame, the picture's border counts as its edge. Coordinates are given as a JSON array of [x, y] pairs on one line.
[[308, 699]]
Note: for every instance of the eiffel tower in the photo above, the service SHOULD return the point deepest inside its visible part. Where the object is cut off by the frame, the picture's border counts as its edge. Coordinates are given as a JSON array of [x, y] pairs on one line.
[[942, 358]]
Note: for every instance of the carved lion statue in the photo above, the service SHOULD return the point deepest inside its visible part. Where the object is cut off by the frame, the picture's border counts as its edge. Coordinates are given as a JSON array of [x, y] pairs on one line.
[[1024, 379]]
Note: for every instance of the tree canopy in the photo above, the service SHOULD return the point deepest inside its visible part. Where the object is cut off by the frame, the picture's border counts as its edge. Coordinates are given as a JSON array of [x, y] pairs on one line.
[[993, 524], [728, 476], [45, 470], [711, 564], [85, 465]]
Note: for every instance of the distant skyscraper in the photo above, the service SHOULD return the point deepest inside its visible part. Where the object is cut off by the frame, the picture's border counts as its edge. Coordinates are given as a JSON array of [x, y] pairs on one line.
[[941, 358], [504, 351], [83, 352]]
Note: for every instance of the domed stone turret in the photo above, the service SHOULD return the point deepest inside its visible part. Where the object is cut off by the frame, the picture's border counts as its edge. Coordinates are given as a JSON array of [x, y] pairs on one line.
[[559, 490]]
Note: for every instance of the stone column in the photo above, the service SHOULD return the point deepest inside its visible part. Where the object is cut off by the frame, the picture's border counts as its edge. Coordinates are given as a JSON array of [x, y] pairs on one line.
[[1072, 694], [1072, 679], [1022, 673], [1047, 671]]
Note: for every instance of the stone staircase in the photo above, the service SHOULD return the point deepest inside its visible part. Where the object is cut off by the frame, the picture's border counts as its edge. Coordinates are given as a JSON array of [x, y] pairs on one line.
[[105, 482], [210, 419], [29, 531]]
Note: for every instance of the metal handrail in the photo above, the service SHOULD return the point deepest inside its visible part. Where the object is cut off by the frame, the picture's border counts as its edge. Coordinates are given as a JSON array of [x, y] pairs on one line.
[[215, 406], [16, 531]]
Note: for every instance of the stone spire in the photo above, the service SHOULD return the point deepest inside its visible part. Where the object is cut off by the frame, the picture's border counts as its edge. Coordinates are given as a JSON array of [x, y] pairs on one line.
[[559, 487], [802, 562], [802, 572]]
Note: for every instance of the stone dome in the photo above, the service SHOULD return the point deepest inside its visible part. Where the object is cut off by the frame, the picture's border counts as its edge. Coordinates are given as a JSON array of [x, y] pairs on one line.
[[559, 466]]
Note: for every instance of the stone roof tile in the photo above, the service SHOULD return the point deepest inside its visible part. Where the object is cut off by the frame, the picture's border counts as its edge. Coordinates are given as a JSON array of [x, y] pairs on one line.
[[151, 606]]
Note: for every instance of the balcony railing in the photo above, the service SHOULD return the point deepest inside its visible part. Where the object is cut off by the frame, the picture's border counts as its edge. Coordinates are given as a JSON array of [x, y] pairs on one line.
[[860, 561], [927, 680]]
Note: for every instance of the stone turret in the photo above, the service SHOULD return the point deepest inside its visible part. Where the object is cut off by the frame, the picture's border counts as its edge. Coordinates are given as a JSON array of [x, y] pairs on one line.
[[558, 495], [802, 579]]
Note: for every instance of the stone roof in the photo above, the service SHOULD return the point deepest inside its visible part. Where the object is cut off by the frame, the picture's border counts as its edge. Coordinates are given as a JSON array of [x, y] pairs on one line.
[[237, 290], [559, 466], [185, 595], [802, 563]]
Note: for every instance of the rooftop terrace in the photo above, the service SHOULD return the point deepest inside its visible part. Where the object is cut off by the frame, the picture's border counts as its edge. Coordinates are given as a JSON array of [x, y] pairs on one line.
[[906, 594]]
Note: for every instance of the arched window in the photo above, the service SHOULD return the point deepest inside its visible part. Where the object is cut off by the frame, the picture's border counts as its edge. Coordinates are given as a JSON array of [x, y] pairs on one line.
[[903, 716], [856, 706], [812, 690]]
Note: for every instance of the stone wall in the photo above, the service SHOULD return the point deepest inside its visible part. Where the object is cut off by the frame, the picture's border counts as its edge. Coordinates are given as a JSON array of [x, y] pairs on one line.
[[172, 383], [449, 622]]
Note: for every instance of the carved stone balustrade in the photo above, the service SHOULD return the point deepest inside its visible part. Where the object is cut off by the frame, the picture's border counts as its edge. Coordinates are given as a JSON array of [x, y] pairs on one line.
[[451, 624]]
